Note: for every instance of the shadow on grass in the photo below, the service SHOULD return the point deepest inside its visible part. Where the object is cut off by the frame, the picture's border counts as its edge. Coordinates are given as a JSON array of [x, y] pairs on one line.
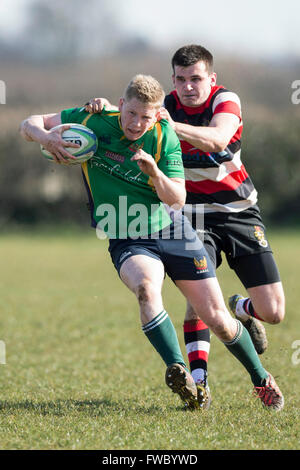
[[95, 408]]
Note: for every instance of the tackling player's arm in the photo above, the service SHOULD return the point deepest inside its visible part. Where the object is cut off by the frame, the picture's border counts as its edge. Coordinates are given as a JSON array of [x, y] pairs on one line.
[[213, 138], [38, 128], [95, 105], [171, 191]]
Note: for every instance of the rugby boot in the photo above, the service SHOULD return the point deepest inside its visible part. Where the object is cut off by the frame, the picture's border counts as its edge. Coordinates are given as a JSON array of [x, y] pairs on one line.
[[270, 395], [255, 328], [180, 381], [203, 395]]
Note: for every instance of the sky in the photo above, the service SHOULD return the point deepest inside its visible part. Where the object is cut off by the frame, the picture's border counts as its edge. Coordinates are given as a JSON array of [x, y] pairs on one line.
[[260, 28]]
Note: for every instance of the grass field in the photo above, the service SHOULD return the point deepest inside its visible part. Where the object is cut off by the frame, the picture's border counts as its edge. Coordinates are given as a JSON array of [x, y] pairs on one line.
[[80, 374]]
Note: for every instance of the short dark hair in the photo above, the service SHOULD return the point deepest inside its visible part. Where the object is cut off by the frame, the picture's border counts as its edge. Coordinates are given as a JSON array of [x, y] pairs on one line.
[[190, 55]]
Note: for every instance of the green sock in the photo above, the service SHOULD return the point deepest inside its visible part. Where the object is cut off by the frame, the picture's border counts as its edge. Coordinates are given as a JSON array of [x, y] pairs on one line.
[[162, 335], [242, 348]]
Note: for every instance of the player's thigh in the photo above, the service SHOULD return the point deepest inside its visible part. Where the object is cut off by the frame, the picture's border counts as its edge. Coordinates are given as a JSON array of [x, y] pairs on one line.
[[142, 270], [207, 303], [204, 297]]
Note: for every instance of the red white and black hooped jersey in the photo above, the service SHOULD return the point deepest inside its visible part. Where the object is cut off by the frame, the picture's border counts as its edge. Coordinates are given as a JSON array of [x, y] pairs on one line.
[[216, 180]]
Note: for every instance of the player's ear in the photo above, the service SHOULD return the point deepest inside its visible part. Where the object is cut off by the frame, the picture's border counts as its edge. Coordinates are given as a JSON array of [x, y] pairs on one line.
[[157, 114], [121, 102], [213, 79]]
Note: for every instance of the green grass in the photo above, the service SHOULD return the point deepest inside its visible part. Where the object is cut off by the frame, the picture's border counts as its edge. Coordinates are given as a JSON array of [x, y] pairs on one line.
[[80, 374]]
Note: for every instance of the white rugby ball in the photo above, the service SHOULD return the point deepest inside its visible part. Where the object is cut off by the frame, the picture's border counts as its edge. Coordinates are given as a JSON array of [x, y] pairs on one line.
[[77, 134]]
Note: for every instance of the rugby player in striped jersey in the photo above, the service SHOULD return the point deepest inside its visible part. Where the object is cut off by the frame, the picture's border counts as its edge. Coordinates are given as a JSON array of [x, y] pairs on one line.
[[208, 121]]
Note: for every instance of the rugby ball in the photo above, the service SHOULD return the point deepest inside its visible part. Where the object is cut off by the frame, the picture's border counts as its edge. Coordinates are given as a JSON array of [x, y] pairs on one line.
[[77, 134]]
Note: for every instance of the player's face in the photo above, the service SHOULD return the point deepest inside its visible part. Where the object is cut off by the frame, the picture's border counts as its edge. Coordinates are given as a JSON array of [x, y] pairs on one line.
[[136, 117], [193, 83]]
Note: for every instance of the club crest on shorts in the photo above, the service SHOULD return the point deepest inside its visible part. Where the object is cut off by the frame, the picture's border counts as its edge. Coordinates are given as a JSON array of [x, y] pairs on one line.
[[201, 264], [260, 236]]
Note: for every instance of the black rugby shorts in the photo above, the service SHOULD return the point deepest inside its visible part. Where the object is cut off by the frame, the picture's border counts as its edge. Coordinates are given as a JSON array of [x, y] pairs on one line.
[[179, 249], [241, 237]]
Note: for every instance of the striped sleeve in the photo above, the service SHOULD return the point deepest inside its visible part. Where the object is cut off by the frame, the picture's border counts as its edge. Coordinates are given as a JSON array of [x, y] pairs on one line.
[[227, 102]]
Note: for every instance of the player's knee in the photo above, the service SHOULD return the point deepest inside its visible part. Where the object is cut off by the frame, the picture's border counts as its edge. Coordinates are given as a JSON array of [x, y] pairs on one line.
[[146, 292], [275, 312], [277, 315]]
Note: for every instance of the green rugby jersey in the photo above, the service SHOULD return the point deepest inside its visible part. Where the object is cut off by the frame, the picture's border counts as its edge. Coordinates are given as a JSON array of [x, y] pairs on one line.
[[123, 199]]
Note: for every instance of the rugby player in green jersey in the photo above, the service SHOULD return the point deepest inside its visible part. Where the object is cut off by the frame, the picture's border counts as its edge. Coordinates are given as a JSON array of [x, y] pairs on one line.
[[138, 162]]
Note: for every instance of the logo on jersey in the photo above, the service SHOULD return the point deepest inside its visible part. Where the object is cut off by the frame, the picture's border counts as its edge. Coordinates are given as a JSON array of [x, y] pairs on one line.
[[260, 236], [114, 156], [134, 147], [201, 264], [106, 139]]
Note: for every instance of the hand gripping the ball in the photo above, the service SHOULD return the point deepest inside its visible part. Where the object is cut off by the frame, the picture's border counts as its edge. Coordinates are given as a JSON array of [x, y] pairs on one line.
[[57, 146]]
